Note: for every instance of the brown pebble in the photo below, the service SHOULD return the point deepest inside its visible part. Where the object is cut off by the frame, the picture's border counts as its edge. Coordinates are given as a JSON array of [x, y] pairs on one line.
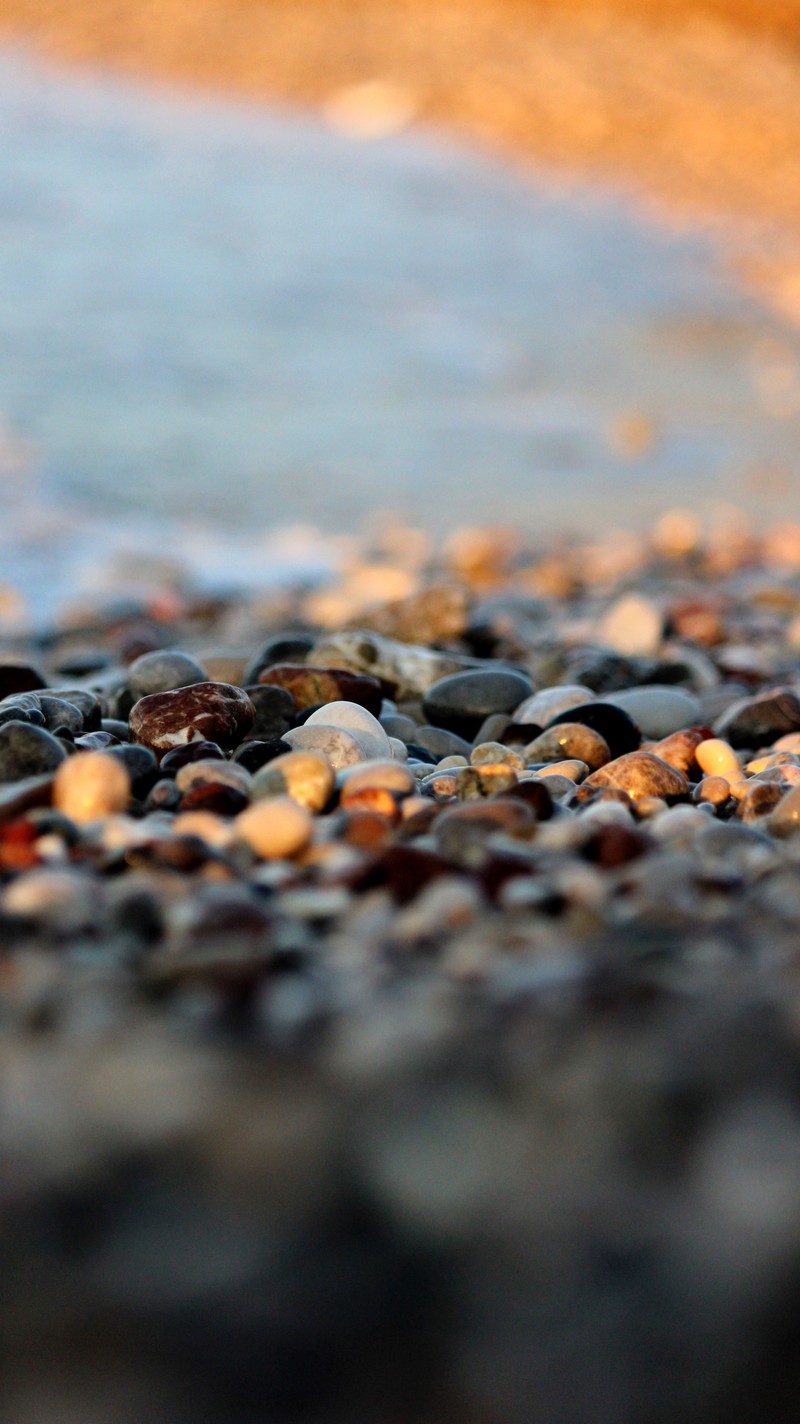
[[315, 686], [569, 741], [276, 829], [305, 776], [640, 774], [679, 749], [90, 785], [205, 711]]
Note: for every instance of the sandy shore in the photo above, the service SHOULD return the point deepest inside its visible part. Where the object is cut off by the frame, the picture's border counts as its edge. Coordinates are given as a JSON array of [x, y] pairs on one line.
[[696, 107]]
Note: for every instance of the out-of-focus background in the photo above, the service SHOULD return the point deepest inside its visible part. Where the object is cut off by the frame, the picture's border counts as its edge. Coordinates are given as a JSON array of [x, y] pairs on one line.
[[270, 264]]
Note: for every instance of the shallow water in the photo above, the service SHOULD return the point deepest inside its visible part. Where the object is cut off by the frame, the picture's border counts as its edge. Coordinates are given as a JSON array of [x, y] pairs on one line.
[[236, 316]]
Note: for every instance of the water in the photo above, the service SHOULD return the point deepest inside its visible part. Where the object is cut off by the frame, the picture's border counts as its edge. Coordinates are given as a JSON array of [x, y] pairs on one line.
[[219, 315]]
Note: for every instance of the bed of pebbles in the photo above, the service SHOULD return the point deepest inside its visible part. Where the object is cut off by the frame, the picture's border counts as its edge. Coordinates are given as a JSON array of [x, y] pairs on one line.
[[400, 1001]]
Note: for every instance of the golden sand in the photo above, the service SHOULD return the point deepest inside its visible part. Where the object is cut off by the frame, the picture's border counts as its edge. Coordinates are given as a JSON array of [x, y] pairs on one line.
[[693, 103]]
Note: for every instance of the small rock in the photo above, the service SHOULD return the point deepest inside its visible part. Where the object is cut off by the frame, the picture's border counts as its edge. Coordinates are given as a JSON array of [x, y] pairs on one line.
[[339, 747], [91, 785], [312, 686], [617, 729], [632, 626], [462, 701], [276, 829], [550, 702], [27, 751], [352, 717], [163, 671], [758, 721], [306, 776], [569, 739], [658, 710], [205, 711], [639, 774], [717, 758]]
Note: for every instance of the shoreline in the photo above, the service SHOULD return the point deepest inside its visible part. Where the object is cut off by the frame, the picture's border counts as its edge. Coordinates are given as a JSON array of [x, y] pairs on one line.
[[693, 114]]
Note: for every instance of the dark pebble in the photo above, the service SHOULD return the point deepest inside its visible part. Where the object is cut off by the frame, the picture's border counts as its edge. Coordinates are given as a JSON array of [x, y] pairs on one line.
[[193, 751], [206, 711], [275, 711], [438, 742], [315, 686], [163, 671], [140, 764], [19, 677], [289, 647], [163, 796], [27, 751], [463, 701], [252, 755], [759, 721]]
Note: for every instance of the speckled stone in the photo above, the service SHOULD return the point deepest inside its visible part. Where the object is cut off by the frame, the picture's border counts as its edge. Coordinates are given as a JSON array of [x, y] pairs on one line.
[[276, 829], [206, 711], [570, 740], [758, 721], [27, 751], [163, 671], [462, 701], [490, 753], [306, 776], [657, 709], [640, 774], [313, 686], [407, 667], [90, 785], [616, 728], [352, 717], [476, 782], [339, 747], [212, 770]]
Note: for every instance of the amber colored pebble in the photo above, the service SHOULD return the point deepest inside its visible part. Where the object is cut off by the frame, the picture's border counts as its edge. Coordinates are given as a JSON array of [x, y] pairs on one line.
[[371, 798], [314, 686], [366, 829], [679, 749]]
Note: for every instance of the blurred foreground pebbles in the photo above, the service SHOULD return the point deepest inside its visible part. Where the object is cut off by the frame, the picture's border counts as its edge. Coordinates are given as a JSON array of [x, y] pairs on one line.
[[400, 1003]]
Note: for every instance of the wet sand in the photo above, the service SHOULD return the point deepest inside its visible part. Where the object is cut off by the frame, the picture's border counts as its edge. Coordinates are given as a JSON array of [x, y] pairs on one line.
[[696, 107]]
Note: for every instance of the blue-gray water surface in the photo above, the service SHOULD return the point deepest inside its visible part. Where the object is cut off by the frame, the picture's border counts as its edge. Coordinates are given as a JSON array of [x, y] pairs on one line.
[[231, 314]]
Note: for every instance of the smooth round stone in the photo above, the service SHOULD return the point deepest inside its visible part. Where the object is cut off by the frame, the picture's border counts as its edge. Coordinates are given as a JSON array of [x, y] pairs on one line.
[[27, 751], [717, 758], [550, 702], [490, 753], [91, 785], [715, 790], [658, 710], [305, 776], [288, 647], [213, 771], [88, 704], [475, 782], [573, 768], [640, 774], [570, 740], [316, 686], [59, 715], [139, 762], [252, 755], [759, 721], [680, 749], [163, 671], [276, 829], [172, 761], [616, 728], [399, 749], [339, 747], [451, 763], [395, 724], [206, 711], [410, 669], [463, 701], [352, 717], [633, 626]]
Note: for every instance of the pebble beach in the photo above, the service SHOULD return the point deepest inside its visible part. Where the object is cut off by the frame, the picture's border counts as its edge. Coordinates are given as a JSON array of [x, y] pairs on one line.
[[399, 990], [399, 913]]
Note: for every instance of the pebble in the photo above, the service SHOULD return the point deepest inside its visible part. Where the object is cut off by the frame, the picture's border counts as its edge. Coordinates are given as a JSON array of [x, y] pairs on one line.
[[408, 668], [306, 776], [91, 785], [758, 721], [312, 686], [549, 702], [640, 774], [489, 753], [211, 770], [28, 751], [569, 739], [462, 701], [617, 729], [352, 717], [163, 671], [206, 711], [717, 758], [658, 710], [340, 747], [278, 828], [440, 743], [275, 712], [632, 625]]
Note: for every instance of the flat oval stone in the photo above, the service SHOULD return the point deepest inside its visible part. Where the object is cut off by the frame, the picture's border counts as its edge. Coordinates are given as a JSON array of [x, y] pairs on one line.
[[658, 709], [352, 717], [275, 711], [680, 749], [550, 702], [339, 747], [306, 776], [640, 774], [438, 742], [570, 740], [163, 671], [759, 721], [205, 711], [289, 647], [462, 701], [313, 686], [27, 751], [276, 829], [388, 775], [19, 677], [90, 785], [616, 728]]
